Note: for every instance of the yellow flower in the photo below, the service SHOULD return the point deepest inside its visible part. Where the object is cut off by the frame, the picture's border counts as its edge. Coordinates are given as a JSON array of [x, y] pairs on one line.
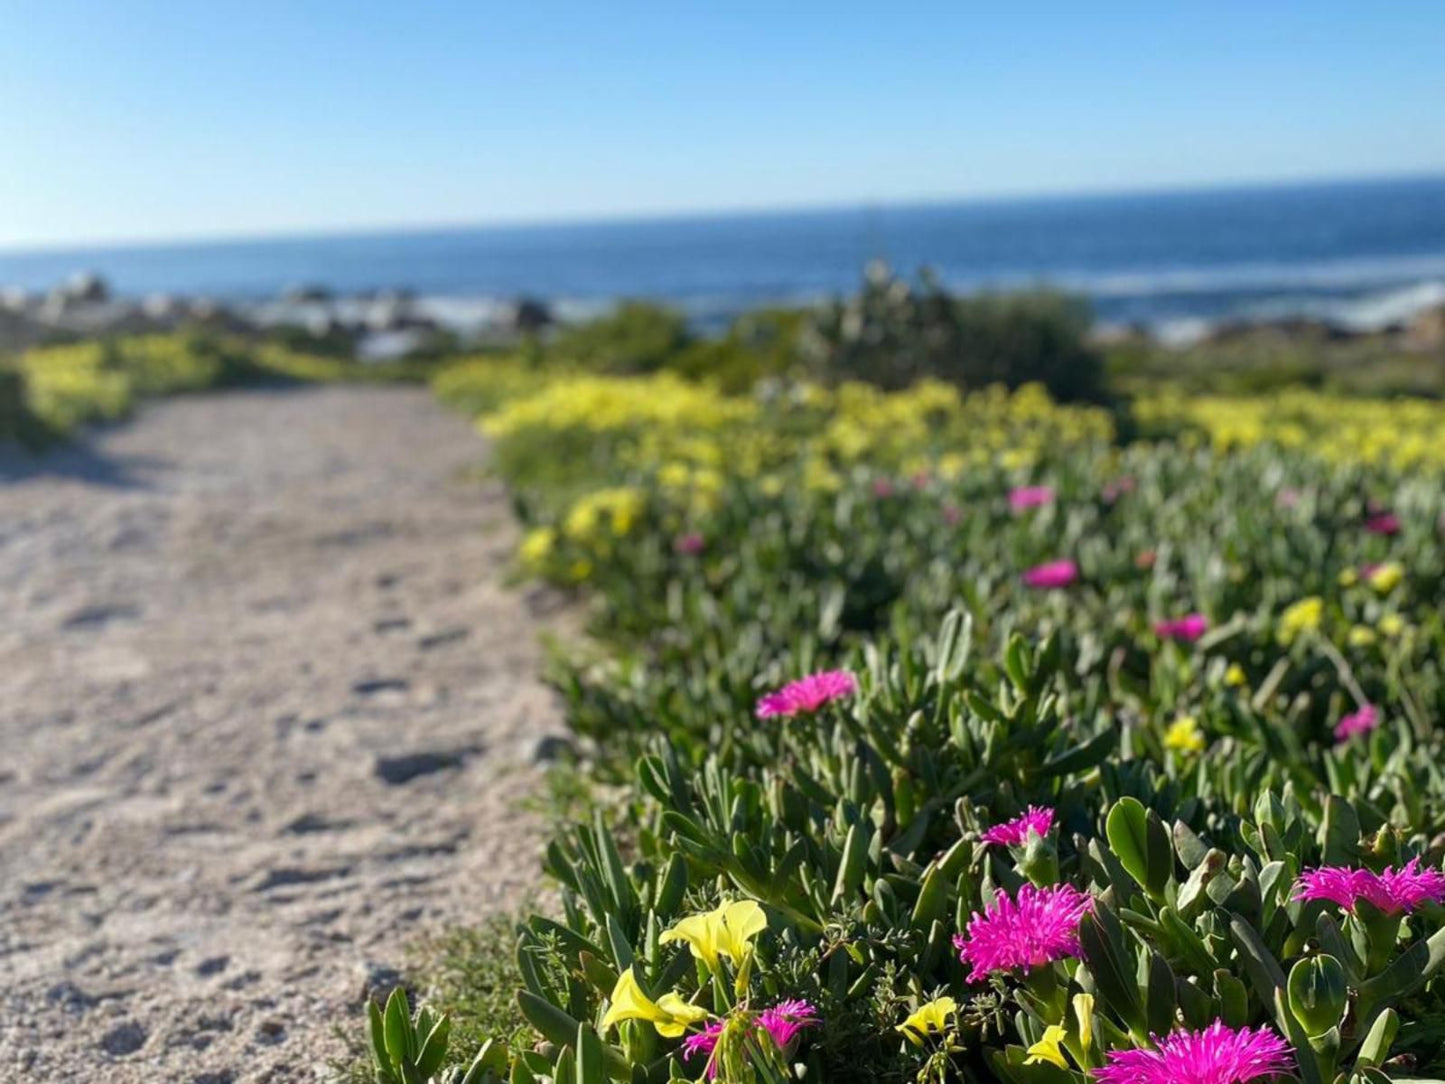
[[727, 931], [1049, 1048], [770, 485], [1084, 1010], [1234, 677], [1387, 577], [1184, 734], [1391, 625], [1361, 636], [669, 1014], [927, 1019], [537, 546], [1302, 616], [1348, 577], [674, 475]]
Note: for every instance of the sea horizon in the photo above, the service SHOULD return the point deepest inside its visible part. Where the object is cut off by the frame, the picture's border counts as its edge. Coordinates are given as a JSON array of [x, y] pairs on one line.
[[1361, 252]]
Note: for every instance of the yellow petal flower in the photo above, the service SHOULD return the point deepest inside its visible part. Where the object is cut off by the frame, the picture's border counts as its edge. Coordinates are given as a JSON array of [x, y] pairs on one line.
[[1184, 735], [927, 1019], [1084, 1010], [1235, 677], [1361, 636], [1387, 577], [727, 931], [669, 1014], [1049, 1048], [1391, 625]]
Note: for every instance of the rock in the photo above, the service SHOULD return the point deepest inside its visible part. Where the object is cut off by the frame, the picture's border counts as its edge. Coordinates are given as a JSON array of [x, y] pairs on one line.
[[531, 315], [378, 980], [305, 294], [548, 748], [1427, 330], [83, 287], [123, 1039], [403, 769]]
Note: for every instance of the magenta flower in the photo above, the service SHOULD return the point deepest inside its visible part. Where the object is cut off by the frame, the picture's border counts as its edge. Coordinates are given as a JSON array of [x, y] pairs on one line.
[[1116, 489], [1386, 523], [1022, 498], [783, 1022], [882, 487], [1392, 890], [1036, 927], [1036, 818], [1185, 629], [1052, 574], [1216, 1055], [785, 1019], [952, 514], [1357, 722], [691, 544], [807, 694]]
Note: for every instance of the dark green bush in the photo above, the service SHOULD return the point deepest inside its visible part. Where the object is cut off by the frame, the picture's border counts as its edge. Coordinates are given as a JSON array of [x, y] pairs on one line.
[[894, 334], [638, 337]]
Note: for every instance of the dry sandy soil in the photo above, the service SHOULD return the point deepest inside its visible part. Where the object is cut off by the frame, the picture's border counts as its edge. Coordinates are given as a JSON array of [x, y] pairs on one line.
[[265, 706]]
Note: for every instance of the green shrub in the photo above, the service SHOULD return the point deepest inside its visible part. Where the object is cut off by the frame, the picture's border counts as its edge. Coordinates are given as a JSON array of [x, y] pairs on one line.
[[638, 337], [893, 334]]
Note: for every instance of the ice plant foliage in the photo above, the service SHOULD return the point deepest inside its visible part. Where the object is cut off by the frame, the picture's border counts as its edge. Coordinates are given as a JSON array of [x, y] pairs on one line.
[[1052, 574], [1185, 629], [1036, 818], [1392, 890], [1036, 927], [1357, 722], [1216, 1055], [807, 694]]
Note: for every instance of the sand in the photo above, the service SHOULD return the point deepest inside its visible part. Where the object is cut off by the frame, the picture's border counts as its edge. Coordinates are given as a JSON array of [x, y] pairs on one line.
[[266, 713]]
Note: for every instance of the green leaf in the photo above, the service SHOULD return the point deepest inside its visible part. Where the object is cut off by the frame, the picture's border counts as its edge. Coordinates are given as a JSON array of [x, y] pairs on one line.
[[591, 1061], [400, 1041], [434, 1048], [1376, 1047], [1140, 841]]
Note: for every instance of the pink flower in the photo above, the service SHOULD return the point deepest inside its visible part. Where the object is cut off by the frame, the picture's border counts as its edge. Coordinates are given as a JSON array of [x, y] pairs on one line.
[[1216, 1055], [952, 514], [1357, 722], [882, 487], [1052, 574], [1114, 490], [1287, 498], [1022, 498], [920, 479], [807, 694], [1146, 560], [1392, 891], [1186, 629], [1036, 818], [785, 1019], [691, 544], [783, 1022], [1036, 927], [1386, 523]]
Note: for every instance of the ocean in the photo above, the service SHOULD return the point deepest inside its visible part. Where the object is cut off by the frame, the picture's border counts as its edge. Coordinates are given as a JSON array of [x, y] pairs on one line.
[[1361, 254]]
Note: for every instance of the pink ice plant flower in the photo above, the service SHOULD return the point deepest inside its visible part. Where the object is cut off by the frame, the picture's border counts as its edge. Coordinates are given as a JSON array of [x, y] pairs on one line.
[[1036, 819], [1217, 1055], [1034, 928], [883, 487], [691, 544], [1052, 574], [1357, 722], [807, 694], [1386, 523], [1022, 498], [1186, 629], [782, 1022], [1392, 890]]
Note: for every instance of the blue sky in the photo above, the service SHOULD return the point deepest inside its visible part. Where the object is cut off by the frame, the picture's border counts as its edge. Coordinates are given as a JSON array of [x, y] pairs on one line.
[[122, 119]]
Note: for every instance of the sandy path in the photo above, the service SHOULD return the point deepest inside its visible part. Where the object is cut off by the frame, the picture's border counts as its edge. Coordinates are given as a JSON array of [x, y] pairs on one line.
[[263, 703]]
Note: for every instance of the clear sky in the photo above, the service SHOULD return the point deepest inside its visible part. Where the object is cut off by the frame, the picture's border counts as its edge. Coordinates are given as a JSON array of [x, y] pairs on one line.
[[130, 119]]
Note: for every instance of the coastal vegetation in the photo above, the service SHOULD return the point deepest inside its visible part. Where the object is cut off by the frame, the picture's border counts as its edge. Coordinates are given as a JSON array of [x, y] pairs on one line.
[[945, 730]]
